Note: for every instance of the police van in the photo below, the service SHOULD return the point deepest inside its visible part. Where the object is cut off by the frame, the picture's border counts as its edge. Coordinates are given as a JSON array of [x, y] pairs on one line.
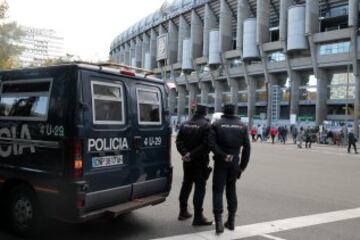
[[80, 141]]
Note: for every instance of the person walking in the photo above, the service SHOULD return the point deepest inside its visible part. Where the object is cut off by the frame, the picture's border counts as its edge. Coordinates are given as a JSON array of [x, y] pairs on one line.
[[260, 132], [352, 142], [273, 133], [307, 137], [192, 144], [253, 133], [226, 139], [294, 133], [300, 137]]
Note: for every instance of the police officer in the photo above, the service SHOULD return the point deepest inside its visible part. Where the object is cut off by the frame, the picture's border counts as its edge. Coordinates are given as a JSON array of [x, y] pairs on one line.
[[226, 138], [192, 144]]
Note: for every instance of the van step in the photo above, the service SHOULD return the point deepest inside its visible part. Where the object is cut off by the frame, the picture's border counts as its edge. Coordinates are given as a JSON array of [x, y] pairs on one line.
[[120, 209]]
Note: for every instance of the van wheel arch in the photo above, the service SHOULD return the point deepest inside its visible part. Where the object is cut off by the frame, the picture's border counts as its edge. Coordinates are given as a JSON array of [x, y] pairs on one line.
[[21, 195]]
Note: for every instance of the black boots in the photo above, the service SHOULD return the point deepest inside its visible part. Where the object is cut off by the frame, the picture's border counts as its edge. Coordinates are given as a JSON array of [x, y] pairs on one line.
[[219, 224], [230, 223], [200, 220], [184, 214]]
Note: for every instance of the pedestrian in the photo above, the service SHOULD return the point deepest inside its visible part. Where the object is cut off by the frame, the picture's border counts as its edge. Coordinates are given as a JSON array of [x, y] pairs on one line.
[[352, 142], [192, 144], [265, 133], [259, 133], [253, 133], [285, 134], [294, 133], [308, 137], [273, 133], [281, 133], [227, 137], [300, 137]]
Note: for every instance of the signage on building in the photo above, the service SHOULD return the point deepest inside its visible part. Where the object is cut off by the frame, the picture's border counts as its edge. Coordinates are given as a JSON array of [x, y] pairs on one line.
[[162, 47]]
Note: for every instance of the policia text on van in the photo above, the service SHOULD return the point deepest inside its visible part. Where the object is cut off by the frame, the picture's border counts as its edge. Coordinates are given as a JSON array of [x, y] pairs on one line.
[[80, 141]]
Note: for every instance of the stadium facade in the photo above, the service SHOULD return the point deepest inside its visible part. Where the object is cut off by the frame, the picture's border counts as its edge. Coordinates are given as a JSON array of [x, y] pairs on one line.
[[274, 59]]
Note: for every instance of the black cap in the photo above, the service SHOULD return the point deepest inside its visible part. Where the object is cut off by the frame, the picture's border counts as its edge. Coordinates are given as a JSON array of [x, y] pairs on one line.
[[229, 109], [201, 109]]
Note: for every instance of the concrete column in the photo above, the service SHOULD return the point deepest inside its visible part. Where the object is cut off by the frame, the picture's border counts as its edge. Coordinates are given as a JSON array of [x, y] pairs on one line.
[[251, 99], [193, 90], [284, 6], [243, 11], [172, 101], [138, 52], [312, 16], [122, 55], [181, 101], [262, 21], [196, 35], [295, 80], [225, 27], [354, 6], [132, 52], [172, 43], [210, 22], [357, 103], [153, 48], [127, 54], [321, 96], [204, 88], [219, 89], [234, 90], [145, 48], [184, 33]]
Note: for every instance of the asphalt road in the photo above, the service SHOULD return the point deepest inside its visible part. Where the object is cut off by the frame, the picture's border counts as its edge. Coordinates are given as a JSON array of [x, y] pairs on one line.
[[281, 182]]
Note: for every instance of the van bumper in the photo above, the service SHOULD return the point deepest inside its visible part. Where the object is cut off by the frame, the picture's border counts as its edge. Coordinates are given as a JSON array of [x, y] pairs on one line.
[[122, 208]]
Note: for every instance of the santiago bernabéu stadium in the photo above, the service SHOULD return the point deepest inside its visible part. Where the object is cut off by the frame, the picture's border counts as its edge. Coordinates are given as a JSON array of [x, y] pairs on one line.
[[277, 60]]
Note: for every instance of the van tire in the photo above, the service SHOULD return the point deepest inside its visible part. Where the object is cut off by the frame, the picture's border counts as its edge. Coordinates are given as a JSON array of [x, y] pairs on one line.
[[24, 212]]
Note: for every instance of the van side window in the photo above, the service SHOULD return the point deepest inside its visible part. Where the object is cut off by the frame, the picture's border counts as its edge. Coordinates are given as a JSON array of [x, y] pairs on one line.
[[149, 106], [25, 99], [108, 103]]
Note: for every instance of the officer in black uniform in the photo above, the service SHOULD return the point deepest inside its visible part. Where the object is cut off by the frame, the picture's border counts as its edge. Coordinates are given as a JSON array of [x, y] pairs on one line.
[[226, 138], [192, 144]]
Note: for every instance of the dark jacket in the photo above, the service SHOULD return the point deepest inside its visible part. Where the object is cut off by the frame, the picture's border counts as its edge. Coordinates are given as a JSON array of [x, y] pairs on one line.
[[193, 138], [351, 138], [227, 136]]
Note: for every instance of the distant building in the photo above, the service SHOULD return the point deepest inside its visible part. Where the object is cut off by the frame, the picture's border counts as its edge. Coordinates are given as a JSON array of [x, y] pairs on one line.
[[40, 45]]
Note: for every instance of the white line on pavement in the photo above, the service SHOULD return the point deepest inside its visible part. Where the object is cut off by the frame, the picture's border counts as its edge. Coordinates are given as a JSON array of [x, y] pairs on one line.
[[257, 229], [271, 237]]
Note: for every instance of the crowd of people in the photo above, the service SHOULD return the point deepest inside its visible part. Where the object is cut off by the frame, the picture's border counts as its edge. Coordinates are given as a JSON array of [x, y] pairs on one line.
[[303, 136]]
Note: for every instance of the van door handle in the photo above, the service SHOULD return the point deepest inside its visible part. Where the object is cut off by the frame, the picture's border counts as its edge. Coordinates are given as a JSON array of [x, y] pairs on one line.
[[137, 142]]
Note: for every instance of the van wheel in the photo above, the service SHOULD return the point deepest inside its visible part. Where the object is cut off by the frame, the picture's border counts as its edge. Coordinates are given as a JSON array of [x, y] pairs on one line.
[[23, 211]]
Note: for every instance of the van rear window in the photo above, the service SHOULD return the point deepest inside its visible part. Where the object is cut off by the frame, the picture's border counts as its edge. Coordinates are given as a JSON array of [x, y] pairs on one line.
[[149, 106], [25, 99], [108, 103]]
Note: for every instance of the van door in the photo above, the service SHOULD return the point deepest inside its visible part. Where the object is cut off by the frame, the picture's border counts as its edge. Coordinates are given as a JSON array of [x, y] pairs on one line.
[[151, 140], [107, 133]]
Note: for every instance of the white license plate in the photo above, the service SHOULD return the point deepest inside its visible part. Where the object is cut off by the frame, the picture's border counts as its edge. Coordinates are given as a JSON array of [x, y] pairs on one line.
[[107, 161]]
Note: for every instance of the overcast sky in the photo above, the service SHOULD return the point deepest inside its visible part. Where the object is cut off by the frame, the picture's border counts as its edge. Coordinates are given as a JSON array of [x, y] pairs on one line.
[[88, 26]]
